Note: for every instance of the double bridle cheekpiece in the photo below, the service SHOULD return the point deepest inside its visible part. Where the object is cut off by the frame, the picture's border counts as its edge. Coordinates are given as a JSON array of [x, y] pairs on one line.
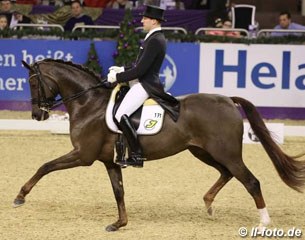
[[44, 103]]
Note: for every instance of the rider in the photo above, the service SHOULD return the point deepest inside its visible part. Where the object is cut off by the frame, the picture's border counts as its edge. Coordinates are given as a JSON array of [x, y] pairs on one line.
[[147, 83]]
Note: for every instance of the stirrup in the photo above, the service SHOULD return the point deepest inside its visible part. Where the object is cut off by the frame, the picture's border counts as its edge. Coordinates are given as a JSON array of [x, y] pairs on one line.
[[135, 160], [121, 163]]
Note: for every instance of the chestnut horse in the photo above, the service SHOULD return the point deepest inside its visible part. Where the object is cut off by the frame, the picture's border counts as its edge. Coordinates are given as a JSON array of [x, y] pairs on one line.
[[210, 126]]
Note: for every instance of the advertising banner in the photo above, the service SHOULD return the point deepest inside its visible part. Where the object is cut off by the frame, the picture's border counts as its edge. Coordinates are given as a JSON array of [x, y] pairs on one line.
[[177, 77], [180, 69], [13, 76], [267, 75]]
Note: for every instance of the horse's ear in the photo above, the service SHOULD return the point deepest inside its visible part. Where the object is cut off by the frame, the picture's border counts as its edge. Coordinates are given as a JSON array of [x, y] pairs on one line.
[[26, 65]]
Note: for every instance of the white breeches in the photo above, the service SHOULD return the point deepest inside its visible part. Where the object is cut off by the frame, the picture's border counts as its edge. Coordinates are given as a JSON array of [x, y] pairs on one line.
[[134, 98]]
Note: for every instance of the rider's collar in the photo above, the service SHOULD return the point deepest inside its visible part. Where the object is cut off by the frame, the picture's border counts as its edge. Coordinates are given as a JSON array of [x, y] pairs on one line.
[[151, 32]]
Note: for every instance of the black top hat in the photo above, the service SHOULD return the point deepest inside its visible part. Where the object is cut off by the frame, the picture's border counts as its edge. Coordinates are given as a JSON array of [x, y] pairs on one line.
[[154, 13]]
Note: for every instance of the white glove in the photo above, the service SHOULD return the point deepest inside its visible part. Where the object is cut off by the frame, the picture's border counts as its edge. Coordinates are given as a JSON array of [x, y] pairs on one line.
[[116, 69], [111, 77]]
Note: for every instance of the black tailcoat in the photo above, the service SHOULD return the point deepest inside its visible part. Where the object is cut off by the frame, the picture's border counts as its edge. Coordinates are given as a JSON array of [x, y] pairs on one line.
[[148, 64]]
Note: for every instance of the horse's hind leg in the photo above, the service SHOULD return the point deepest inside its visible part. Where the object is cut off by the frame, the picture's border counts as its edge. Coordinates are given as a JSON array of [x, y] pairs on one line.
[[244, 175], [225, 177], [69, 160]]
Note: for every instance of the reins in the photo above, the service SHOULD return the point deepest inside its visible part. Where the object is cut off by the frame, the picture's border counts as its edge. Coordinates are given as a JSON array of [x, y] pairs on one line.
[[49, 103], [60, 101]]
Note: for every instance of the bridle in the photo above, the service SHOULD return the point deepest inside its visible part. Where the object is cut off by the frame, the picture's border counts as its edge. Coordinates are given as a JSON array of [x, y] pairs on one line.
[[48, 103], [44, 103]]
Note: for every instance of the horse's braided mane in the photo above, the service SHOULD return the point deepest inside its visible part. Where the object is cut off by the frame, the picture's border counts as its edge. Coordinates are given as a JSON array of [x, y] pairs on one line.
[[78, 66]]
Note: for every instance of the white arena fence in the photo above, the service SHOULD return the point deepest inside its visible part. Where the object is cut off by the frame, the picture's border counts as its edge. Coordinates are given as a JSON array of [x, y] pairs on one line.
[[60, 125]]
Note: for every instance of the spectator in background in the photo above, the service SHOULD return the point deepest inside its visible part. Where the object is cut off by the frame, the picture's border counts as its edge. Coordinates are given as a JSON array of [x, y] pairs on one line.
[[78, 17], [6, 9], [120, 4], [285, 23], [217, 24], [3, 22], [227, 24], [172, 4], [13, 17], [19, 18]]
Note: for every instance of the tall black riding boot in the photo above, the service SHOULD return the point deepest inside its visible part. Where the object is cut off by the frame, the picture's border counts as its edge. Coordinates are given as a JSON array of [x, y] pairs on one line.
[[136, 157]]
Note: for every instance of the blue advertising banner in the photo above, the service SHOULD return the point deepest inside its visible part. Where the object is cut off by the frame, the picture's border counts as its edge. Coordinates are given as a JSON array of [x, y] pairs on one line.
[[13, 76], [180, 69], [179, 72]]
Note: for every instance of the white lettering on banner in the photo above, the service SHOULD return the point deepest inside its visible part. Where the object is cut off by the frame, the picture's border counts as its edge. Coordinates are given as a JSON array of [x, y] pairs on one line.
[[29, 58], [267, 75], [12, 84], [7, 60]]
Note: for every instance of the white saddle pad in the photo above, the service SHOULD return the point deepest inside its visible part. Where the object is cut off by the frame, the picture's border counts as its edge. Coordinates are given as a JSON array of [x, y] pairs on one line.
[[152, 116]]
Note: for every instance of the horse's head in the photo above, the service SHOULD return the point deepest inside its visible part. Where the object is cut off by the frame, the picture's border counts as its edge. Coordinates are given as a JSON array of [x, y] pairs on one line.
[[43, 91], [49, 78]]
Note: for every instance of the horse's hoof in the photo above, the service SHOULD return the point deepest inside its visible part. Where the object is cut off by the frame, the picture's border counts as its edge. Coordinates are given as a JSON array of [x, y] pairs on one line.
[[261, 228], [211, 211], [18, 203], [111, 228]]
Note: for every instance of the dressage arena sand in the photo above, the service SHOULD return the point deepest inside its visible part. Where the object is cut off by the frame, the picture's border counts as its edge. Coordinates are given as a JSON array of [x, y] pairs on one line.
[[163, 200]]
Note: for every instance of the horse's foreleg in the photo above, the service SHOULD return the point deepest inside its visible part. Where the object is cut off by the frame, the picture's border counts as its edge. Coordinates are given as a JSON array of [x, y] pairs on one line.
[[69, 160], [115, 175]]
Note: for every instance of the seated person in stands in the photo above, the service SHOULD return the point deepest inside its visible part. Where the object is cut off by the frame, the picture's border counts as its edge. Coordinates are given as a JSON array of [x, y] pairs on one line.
[[78, 17], [13, 17], [120, 4], [285, 23], [3, 22], [19, 18], [227, 24], [218, 23], [6, 9]]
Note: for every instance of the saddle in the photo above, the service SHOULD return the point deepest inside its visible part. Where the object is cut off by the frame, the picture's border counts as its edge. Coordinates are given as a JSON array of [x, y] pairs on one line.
[[148, 119]]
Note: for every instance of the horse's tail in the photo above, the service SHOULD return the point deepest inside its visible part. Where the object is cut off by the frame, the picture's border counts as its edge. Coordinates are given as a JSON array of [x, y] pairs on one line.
[[291, 171]]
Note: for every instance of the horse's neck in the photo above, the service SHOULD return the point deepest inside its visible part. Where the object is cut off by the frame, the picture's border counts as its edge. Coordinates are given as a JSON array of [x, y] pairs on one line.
[[91, 108], [71, 84], [91, 101], [75, 86]]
